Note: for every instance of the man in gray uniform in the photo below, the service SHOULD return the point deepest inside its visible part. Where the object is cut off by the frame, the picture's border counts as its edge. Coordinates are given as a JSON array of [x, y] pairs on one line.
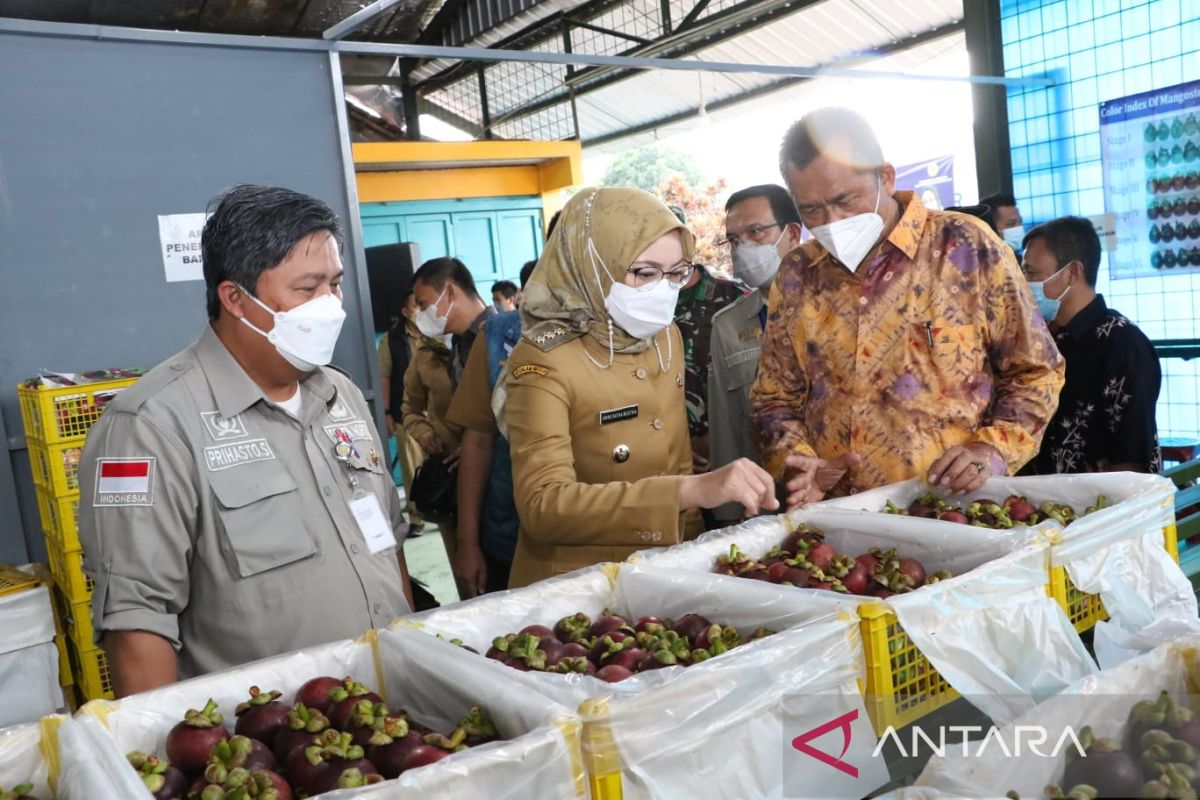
[[761, 226], [235, 502]]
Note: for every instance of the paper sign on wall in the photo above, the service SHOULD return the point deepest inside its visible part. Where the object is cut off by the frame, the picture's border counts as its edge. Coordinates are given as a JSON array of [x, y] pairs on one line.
[[179, 235], [1106, 229]]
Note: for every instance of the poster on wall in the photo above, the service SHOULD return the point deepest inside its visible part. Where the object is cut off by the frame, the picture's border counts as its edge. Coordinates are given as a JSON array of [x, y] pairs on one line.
[[1150, 150], [179, 238], [932, 181]]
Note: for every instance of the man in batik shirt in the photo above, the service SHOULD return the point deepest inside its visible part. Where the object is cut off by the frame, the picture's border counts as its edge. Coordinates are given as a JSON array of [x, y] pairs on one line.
[[1105, 418], [901, 341]]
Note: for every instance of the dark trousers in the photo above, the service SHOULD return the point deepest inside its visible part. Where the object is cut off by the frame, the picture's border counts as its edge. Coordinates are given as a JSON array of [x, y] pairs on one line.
[[497, 573]]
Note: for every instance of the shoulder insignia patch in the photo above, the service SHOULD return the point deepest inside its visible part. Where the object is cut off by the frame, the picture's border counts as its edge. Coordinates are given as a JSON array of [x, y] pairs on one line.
[[553, 333], [527, 369]]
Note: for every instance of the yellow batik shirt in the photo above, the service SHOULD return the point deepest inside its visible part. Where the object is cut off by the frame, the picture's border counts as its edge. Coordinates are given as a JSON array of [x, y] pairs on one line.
[[934, 342]]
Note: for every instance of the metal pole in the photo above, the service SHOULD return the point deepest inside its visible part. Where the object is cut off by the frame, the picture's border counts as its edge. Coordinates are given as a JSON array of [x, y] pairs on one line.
[[354, 242], [642, 62], [102, 32]]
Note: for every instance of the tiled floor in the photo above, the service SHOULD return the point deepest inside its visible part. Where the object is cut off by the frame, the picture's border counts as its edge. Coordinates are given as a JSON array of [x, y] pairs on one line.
[[427, 562]]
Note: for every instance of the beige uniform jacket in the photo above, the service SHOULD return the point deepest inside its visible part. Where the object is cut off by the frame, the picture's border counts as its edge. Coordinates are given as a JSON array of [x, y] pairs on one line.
[[736, 344], [597, 454], [428, 390], [213, 518]]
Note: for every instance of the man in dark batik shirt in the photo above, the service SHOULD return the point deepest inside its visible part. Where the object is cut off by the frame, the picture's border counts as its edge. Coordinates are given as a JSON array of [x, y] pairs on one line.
[[698, 302], [1105, 418]]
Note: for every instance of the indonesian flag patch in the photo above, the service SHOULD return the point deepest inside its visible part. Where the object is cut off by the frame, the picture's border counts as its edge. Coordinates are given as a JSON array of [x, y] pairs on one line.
[[124, 482]]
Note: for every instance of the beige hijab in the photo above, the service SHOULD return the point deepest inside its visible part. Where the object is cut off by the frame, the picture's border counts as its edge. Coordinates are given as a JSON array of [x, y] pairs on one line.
[[599, 234]]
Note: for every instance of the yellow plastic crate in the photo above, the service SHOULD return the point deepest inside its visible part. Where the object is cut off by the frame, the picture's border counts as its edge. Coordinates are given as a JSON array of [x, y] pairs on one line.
[[56, 467], [902, 685], [52, 416], [13, 580], [77, 623], [65, 678], [67, 569], [1083, 609], [90, 667], [60, 520]]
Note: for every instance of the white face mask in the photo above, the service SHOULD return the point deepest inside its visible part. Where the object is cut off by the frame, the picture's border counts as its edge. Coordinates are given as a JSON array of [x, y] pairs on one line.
[[643, 311], [305, 335], [1014, 236], [428, 321], [640, 311], [850, 239], [755, 264]]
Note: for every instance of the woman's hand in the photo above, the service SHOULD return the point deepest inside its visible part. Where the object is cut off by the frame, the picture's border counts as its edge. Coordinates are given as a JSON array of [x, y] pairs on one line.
[[742, 482], [430, 443]]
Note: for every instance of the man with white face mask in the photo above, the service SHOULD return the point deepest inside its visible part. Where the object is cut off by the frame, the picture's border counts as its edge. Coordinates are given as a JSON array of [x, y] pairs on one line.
[[235, 503], [761, 226], [1005, 218], [901, 342]]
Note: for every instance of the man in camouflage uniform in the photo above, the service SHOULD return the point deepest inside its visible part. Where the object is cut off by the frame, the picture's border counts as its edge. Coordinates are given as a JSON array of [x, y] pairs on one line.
[[699, 301]]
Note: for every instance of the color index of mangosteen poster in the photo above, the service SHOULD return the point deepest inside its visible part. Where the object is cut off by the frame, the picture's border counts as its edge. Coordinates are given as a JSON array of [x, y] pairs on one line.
[[1150, 146]]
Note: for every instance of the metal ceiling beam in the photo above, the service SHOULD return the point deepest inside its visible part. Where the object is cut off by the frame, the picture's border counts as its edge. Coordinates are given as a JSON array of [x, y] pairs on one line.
[[726, 24], [775, 86], [356, 20], [670, 64], [680, 44]]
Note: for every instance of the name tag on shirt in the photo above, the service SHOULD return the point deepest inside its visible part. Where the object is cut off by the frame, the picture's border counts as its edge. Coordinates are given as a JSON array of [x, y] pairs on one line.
[[618, 414], [371, 521]]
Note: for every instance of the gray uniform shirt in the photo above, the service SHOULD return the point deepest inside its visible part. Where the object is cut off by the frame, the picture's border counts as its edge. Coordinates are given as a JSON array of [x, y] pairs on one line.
[[736, 344], [213, 518]]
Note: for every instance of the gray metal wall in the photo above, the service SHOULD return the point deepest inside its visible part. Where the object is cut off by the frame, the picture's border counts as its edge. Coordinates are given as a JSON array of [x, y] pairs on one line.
[[99, 137]]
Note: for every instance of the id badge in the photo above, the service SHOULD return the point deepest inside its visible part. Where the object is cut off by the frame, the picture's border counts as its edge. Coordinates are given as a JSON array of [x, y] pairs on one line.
[[372, 522]]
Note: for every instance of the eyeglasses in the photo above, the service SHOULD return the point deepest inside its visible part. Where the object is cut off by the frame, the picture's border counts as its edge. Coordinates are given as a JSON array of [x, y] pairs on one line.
[[753, 232], [645, 275]]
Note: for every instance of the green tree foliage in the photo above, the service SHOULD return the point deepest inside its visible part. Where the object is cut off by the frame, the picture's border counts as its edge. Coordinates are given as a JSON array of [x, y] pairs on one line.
[[648, 166]]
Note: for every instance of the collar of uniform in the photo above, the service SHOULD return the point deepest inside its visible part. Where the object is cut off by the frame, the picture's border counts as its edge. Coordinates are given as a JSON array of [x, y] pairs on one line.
[[1086, 319], [232, 388], [751, 304], [906, 236], [488, 312], [703, 289]]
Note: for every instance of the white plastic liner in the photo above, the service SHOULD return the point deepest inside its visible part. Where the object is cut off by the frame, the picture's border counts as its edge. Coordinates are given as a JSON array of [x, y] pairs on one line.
[[1109, 696], [436, 683], [718, 729], [991, 630], [21, 759], [1116, 552]]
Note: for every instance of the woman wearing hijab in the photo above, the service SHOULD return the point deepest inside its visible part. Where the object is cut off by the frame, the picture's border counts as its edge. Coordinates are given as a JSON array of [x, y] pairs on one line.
[[595, 410]]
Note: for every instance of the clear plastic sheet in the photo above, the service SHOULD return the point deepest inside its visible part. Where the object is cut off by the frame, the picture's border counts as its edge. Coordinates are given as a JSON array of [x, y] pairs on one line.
[[991, 630], [91, 766], [26, 619], [1109, 696], [631, 591], [718, 729], [1116, 552], [29, 684], [21, 760], [435, 682]]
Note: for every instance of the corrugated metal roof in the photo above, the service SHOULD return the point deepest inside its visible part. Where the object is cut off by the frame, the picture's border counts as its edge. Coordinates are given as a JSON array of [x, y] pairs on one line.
[[617, 120], [827, 33]]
